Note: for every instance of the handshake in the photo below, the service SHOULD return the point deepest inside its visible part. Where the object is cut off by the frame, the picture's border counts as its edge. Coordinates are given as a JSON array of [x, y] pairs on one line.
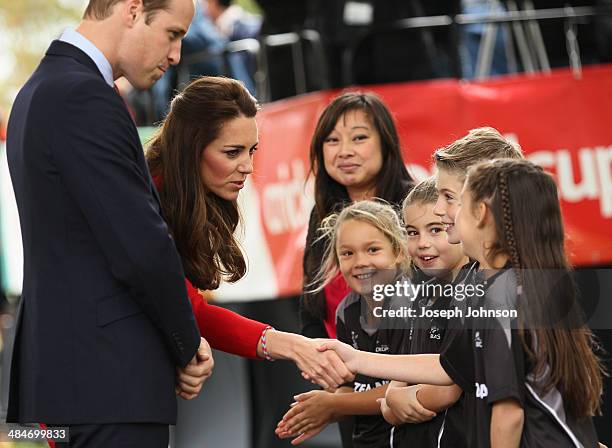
[[316, 358]]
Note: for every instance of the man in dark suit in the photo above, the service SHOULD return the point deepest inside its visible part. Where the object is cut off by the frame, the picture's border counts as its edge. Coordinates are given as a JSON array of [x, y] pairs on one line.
[[104, 319]]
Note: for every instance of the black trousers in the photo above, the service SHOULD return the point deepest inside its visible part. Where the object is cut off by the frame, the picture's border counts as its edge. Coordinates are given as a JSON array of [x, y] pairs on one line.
[[124, 435]]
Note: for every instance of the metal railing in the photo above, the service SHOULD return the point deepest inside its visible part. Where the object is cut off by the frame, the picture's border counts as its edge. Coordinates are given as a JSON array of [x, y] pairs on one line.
[[309, 65], [296, 42], [525, 29]]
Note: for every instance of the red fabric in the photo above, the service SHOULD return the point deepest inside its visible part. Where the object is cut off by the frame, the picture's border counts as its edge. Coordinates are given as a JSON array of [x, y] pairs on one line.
[[335, 291], [223, 329]]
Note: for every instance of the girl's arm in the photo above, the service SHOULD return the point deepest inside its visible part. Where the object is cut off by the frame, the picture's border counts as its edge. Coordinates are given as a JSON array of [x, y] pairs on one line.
[[418, 403], [507, 420], [414, 369], [314, 410], [438, 398], [359, 403]]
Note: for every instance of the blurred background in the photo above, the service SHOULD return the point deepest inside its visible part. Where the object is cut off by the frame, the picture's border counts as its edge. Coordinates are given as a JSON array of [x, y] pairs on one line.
[[538, 70]]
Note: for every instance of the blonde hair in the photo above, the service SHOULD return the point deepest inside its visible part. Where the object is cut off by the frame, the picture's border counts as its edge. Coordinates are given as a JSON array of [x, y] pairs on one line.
[[478, 145], [380, 215], [423, 193]]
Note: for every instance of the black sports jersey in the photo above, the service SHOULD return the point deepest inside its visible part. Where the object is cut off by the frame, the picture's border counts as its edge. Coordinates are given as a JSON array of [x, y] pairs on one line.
[[370, 431], [488, 362], [425, 336], [453, 431], [431, 335]]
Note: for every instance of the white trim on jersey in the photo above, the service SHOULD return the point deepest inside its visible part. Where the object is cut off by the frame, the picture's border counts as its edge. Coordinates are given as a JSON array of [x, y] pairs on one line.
[[555, 416], [441, 432]]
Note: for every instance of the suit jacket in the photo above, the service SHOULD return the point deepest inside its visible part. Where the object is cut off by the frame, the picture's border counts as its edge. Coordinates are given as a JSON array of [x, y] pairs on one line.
[[104, 315]]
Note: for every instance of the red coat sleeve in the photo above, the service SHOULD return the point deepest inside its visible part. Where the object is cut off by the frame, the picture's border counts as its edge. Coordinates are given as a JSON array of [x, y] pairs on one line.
[[223, 329]]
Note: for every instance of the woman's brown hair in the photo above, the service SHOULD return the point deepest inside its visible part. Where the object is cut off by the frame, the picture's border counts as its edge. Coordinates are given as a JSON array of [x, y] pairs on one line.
[[525, 206], [392, 181], [201, 223]]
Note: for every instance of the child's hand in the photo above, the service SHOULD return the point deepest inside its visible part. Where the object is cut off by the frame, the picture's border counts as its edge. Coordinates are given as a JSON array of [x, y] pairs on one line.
[[387, 413], [309, 415], [301, 437], [348, 354], [405, 405]]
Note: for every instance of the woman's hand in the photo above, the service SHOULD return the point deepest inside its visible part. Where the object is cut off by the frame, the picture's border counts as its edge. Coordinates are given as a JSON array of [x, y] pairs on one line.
[[321, 367], [404, 404], [309, 415]]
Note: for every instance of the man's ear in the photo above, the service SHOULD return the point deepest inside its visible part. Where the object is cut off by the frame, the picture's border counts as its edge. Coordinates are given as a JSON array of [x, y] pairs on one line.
[[132, 11]]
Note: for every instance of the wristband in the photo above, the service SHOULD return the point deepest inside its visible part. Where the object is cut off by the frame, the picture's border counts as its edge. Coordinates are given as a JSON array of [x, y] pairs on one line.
[[264, 347]]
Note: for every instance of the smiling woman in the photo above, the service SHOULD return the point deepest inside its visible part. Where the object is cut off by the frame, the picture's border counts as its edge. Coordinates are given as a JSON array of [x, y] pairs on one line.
[[354, 155]]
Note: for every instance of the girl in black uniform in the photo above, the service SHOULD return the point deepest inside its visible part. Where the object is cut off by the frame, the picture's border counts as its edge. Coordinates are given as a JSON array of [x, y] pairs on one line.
[[367, 245], [413, 408], [534, 379], [452, 163]]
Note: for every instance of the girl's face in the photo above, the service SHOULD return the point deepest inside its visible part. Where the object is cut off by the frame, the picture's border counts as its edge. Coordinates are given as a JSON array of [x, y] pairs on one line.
[[227, 161], [449, 186], [427, 243], [365, 256], [469, 227], [352, 154]]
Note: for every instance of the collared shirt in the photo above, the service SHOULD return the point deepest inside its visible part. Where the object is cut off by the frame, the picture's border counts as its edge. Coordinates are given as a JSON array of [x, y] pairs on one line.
[[82, 43]]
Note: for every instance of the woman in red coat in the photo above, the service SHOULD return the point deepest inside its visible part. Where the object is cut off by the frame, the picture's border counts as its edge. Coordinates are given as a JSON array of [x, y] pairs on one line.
[[200, 159]]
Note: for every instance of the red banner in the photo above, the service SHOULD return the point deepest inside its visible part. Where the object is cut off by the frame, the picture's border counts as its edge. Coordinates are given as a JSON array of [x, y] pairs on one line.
[[562, 123]]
